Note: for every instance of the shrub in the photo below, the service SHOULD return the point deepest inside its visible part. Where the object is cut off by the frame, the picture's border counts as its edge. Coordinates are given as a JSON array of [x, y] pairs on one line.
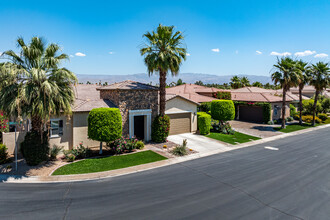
[[205, 107], [326, 105], [123, 145], [223, 110], [104, 124], [4, 157], [3, 125], [139, 145], [293, 110], [203, 123], [81, 152], [180, 150], [69, 156], [289, 119], [309, 119], [224, 95], [322, 116], [54, 151], [308, 107], [270, 122], [160, 128], [33, 150], [296, 117]]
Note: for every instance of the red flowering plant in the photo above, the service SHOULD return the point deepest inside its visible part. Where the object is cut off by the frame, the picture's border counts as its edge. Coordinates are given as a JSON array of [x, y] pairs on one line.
[[4, 126], [123, 145]]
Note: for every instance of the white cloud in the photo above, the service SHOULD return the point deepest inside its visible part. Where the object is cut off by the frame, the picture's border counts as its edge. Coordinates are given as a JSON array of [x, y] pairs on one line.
[[305, 53], [280, 54], [111, 52], [187, 54], [217, 50], [321, 55], [80, 54], [258, 52]]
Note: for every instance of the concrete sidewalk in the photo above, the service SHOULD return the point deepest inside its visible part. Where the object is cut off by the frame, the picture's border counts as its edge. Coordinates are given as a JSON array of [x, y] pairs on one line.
[[113, 173]]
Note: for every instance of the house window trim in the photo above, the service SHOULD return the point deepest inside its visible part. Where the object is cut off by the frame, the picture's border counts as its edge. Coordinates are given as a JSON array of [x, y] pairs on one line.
[[50, 130]]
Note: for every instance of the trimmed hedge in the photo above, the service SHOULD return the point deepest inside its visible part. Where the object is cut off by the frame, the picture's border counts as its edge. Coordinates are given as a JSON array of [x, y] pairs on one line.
[[104, 124], [223, 110], [266, 108], [205, 107], [33, 150], [203, 123], [224, 95], [160, 128]]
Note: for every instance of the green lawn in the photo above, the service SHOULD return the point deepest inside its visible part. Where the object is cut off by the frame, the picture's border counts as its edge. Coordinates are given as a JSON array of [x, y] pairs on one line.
[[297, 127], [109, 163], [232, 139]]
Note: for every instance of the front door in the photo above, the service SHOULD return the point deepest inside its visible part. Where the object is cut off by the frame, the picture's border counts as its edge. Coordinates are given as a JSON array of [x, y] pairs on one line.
[[139, 127]]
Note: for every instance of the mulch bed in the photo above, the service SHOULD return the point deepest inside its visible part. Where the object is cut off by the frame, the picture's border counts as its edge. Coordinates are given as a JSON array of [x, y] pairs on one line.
[[165, 148]]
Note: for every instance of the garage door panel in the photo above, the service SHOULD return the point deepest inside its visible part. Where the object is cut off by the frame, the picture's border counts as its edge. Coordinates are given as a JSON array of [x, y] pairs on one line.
[[180, 123], [251, 113]]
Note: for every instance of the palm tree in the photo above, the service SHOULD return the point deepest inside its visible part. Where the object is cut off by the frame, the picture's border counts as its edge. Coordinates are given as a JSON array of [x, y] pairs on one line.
[[257, 84], [163, 52], [235, 82], [33, 85], [287, 76], [320, 79], [245, 81], [304, 80]]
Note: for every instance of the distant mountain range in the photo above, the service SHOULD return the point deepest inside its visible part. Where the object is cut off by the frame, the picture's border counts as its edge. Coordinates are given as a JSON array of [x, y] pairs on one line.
[[186, 77]]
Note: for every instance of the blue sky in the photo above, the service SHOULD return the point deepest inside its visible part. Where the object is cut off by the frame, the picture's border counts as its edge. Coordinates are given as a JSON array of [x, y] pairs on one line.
[[222, 37]]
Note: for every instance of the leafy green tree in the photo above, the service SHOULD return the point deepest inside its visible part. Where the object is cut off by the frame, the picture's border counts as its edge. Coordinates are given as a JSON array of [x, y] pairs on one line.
[[245, 81], [287, 76], [257, 84], [179, 82], [303, 80], [164, 52], [320, 79], [235, 82], [33, 85], [199, 82]]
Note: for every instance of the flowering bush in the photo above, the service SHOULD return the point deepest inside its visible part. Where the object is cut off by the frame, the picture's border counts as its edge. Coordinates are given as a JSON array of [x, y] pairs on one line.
[[123, 145], [3, 125]]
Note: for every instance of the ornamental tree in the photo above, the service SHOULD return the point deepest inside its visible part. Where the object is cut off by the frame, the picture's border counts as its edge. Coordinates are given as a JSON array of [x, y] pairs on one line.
[[104, 125], [223, 110]]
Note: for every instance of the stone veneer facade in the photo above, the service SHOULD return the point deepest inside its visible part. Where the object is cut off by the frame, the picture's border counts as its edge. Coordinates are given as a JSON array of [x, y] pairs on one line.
[[132, 100]]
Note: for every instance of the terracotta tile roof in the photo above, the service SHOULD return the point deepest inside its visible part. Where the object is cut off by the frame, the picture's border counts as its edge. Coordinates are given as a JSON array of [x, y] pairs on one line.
[[88, 98], [172, 96], [252, 89], [188, 91], [128, 85]]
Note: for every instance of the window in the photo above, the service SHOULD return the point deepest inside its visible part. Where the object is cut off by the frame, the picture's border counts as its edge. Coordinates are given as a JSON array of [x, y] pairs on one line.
[[56, 127]]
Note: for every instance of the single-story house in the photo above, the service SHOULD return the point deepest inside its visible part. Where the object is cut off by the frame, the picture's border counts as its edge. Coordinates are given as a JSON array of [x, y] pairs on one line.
[[309, 91], [247, 95], [137, 102]]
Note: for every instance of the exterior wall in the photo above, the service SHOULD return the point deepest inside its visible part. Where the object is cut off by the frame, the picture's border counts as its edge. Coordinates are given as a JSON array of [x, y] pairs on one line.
[[8, 139], [132, 100], [178, 104], [278, 105], [80, 130], [64, 140]]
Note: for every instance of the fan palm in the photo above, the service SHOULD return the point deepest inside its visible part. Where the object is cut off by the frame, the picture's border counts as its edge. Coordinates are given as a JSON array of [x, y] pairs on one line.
[[287, 76], [245, 81], [320, 79], [33, 85], [235, 82], [164, 52], [304, 80]]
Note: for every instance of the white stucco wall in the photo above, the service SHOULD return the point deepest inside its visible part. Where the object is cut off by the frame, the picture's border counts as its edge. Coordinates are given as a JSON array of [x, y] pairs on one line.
[[64, 140], [178, 104]]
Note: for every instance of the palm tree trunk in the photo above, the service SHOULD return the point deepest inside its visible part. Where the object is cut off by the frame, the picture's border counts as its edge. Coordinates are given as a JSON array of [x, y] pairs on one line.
[[36, 123], [300, 105], [314, 106], [283, 107], [162, 92]]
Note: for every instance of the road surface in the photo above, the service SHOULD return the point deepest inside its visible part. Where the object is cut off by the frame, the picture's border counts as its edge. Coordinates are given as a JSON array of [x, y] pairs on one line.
[[292, 182]]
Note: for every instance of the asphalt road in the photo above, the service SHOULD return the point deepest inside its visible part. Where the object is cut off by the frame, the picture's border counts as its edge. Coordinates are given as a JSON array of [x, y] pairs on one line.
[[251, 183]]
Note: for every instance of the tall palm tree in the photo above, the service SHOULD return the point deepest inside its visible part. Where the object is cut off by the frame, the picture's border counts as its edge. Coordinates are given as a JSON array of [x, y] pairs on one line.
[[235, 82], [33, 85], [163, 52], [245, 81], [304, 80], [320, 79], [287, 76], [257, 84]]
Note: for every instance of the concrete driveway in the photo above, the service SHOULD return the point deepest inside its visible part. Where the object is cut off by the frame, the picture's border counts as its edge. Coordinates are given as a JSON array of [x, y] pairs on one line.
[[199, 143], [255, 129]]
